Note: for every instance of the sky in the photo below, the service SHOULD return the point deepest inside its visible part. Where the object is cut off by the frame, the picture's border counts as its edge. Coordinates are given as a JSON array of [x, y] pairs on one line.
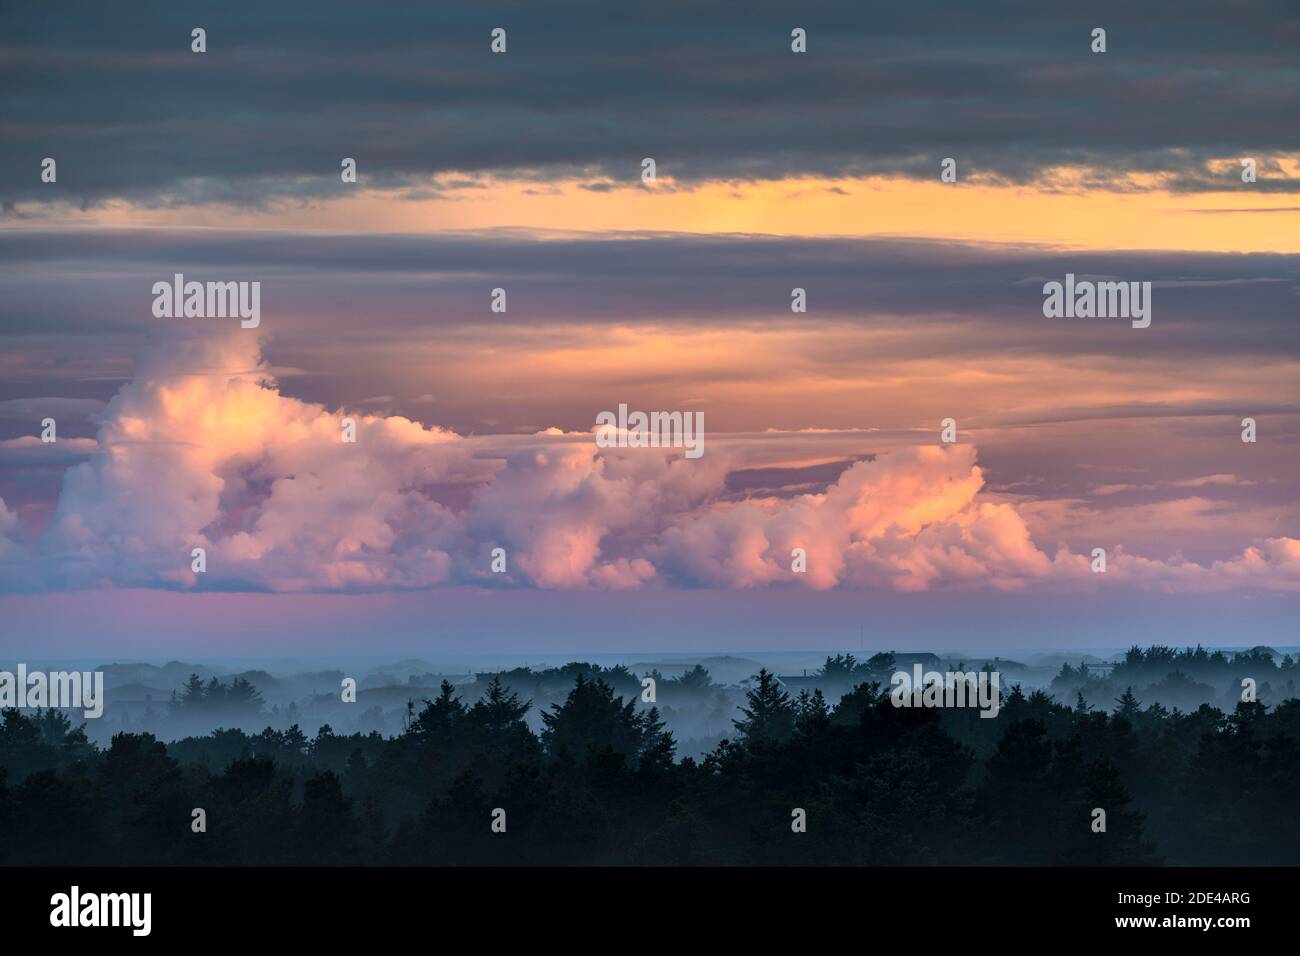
[[523, 170]]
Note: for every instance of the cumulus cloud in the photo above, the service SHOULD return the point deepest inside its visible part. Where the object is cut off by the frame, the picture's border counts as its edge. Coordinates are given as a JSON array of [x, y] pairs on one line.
[[567, 511], [202, 450], [1273, 565], [907, 520]]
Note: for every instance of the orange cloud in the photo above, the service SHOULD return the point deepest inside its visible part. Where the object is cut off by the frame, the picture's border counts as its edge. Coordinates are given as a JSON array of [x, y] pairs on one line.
[[1069, 208]]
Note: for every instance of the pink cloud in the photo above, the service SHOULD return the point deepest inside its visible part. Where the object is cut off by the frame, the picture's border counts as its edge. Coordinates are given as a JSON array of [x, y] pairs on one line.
[[202, 450]]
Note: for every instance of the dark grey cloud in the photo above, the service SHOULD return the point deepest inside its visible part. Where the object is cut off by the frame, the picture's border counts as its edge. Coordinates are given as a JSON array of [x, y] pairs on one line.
[[942, 297], [1008, 87], [340, 311]]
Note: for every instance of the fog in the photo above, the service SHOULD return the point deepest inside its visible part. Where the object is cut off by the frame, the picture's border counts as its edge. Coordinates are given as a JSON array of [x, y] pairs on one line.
[[698, 695]]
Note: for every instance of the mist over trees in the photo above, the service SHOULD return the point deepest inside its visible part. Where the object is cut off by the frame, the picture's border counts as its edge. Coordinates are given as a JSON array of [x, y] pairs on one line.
[[1184, 678], [595, 777], [697, 703]]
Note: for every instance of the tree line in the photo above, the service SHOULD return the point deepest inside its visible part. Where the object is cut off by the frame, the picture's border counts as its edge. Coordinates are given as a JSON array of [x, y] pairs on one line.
[[600, 783]]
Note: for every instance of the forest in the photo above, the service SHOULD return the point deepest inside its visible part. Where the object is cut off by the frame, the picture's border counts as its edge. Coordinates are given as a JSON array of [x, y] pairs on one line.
[[798, 782]]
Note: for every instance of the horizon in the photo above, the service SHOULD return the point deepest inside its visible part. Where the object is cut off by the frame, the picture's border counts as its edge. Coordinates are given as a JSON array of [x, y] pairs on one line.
[[495, 663]]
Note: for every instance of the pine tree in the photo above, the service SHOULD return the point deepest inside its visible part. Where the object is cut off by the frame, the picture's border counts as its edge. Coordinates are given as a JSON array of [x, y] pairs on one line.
[[812, 715], [657, 744], [592, 720], [190, 700], [441, 719], [243, 697], [770, 714], [1129, 706], [499, 709]]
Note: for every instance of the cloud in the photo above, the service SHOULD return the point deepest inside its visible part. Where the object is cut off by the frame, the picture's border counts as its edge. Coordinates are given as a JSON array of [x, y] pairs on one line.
[[34, 409], [1273, 565], [10, 549], [1204, 481], [586, 86], [202, 451], [989, 302], [29, 451], [580, 519], [908, 520]]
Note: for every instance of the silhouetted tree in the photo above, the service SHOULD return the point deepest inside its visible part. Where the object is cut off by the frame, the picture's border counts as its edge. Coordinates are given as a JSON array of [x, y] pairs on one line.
[[770, 715]]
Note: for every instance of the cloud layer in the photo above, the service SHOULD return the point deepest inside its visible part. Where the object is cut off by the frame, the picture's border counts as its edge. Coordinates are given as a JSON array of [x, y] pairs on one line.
[[202, 450], [1010, 87]]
